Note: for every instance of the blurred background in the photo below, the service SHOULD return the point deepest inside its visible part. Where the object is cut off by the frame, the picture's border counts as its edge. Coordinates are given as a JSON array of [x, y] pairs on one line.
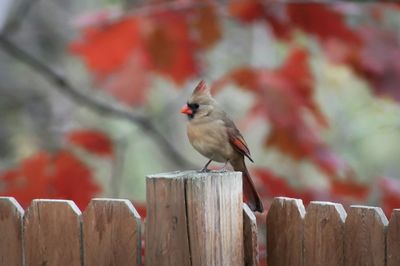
[[90, 95]]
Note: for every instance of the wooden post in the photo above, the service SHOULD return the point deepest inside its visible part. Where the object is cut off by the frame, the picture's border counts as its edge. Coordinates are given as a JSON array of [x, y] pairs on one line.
[[194, 219]]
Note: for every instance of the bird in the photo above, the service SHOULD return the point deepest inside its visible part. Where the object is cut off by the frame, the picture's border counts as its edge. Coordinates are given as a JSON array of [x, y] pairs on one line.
[[214, 135]]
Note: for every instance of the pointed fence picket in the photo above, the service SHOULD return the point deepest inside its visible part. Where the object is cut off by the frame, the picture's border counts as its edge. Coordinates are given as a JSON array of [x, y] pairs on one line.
[[250, 237], [365, 239], [11, 214], [323, 234], [52, 233], [393, 239], [109, 231], [285, 232]]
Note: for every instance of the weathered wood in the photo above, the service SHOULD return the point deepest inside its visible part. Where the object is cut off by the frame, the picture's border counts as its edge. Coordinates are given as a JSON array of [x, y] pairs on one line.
[[365, 236], [167, 238], [215, 218], [393, 239], [111, 233], [324, 234], [52, 233], [250, 237], [10, 232], [194, 219], [285, 224]]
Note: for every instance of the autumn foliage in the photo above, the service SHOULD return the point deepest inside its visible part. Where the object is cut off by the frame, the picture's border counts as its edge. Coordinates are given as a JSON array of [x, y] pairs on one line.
[[123, 53], [44, 175]]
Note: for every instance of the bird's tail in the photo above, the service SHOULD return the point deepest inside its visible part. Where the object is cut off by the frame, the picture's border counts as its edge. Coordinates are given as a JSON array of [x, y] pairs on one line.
[[253, 199]]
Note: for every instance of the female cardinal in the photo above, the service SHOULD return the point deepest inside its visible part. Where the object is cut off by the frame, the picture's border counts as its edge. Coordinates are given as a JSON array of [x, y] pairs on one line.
[[216, 137]]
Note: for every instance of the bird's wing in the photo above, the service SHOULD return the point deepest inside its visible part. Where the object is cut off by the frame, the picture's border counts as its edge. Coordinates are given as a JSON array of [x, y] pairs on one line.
[[236, 139]]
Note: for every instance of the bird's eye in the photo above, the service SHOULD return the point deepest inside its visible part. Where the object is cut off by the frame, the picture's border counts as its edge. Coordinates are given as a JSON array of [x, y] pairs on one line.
[[193, 106]]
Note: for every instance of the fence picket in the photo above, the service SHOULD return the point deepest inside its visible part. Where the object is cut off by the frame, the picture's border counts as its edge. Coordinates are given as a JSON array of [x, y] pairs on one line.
[[10, 232], [393, 239], [52, 233], [324, 234], [111, 233], [250, 237], [285, 232], [365, 236]]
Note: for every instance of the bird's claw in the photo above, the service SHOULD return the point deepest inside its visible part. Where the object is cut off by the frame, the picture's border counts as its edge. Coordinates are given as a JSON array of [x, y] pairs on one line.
[[224, 168], [204, 170]]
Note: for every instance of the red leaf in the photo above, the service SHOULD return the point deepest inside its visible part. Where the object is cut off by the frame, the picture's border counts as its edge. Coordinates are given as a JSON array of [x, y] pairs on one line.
[[130, 84], [247, 11], [45, 176], [30, 180], [170, 47], [107, 48], [141, 209], [278, 186], [206, 24], [279, 22], [245, 77], [297, 71], [331, 164], [349, 188], [289, 141], [321, 20], [390, 194], [378, 61], [73, 180], [114, 51], [92, 140]]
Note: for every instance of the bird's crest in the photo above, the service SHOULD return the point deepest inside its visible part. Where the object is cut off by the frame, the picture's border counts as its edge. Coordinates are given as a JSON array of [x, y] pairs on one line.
[[201, 88]]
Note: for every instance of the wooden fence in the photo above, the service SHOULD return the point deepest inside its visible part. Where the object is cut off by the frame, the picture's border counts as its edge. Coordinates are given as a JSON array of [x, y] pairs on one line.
[[193, 219]]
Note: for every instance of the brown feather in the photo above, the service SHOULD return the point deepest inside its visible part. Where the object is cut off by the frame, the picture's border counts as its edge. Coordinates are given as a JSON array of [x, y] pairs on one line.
[[249, 190], [237, 141]]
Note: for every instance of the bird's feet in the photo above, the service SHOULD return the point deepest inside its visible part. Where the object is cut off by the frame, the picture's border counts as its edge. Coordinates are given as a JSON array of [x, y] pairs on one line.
[[224, 169], [205, 169]]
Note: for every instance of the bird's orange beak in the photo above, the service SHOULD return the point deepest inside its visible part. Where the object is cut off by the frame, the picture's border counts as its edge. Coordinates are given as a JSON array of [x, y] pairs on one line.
[[186, 110]]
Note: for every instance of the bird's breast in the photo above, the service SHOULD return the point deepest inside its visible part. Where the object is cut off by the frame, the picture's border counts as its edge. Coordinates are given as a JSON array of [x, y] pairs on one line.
[[211, 140]]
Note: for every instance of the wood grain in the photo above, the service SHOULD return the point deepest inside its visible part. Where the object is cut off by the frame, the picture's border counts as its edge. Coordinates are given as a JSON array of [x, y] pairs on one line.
[[167, 239], [250, 237], [52, 233], [285, 224], [215, 218], [365, 236], [194, 219], [10, 232], [111, 233], [324, 234], [393, 239]]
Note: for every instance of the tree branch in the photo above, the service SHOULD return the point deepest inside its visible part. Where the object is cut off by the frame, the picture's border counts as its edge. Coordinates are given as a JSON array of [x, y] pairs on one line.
[[16, 20], [65, 87]]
